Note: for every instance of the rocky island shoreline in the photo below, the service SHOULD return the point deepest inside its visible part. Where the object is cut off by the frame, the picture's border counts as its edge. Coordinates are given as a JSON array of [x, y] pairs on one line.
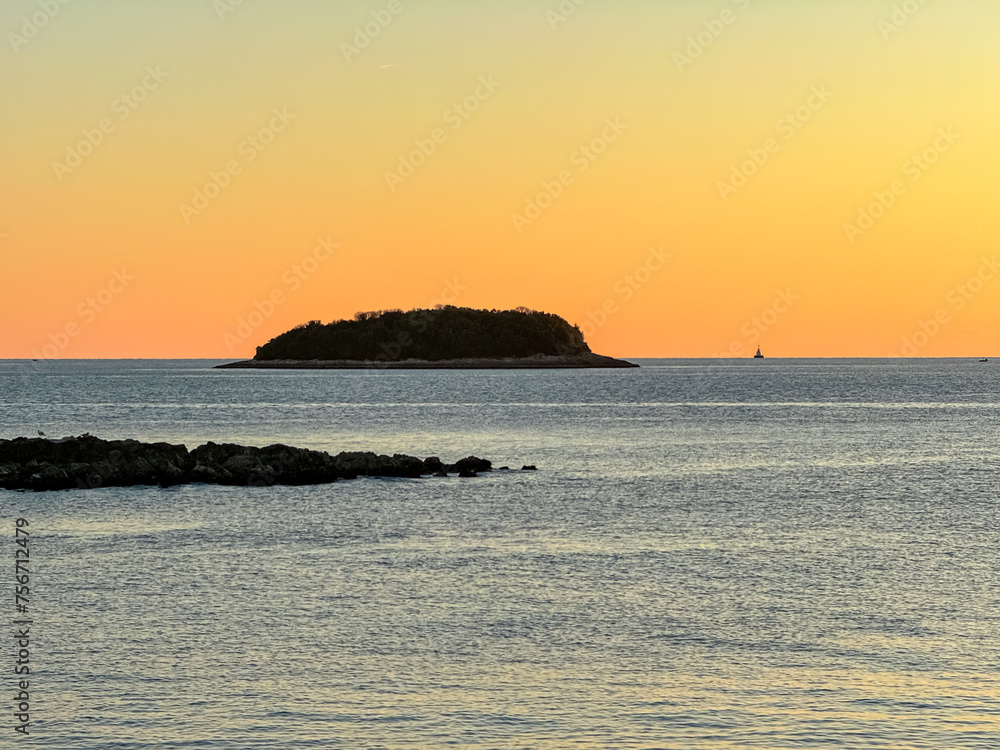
[[540, 362], [88, 462]]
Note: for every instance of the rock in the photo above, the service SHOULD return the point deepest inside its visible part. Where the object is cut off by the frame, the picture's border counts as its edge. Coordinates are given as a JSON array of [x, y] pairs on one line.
[[408, 466], [264, 467], [433, 465], [87, 462], [472, 463], [355, 463], [371, 465], [528, 468]]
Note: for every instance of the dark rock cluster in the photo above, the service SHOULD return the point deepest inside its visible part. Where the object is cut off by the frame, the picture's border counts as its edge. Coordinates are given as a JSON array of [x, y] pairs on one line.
[[87, 462]]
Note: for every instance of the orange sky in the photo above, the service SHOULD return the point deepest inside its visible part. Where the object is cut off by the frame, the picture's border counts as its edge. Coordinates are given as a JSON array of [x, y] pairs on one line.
[[189, 179]]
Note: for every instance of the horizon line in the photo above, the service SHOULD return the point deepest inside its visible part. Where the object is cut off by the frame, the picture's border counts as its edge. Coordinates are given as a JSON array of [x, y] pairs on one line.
[[683, 358]]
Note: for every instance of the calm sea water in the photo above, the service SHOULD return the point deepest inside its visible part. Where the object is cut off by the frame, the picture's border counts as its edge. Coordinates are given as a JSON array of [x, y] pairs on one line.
[[774, 554]]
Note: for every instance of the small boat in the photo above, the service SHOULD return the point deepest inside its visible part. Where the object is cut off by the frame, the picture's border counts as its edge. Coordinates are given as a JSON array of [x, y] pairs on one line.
[[758, 355], [984, 360]]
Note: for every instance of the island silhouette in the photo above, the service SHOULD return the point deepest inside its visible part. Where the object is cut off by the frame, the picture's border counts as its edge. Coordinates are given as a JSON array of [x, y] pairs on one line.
[[443, 338]]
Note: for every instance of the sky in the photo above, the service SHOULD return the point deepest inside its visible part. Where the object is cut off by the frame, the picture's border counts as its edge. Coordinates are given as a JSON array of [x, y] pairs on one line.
[[680, 178]]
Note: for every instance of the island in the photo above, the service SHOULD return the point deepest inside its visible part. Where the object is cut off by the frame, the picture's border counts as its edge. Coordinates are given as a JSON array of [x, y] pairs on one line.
[[446, 337], [88, 462]]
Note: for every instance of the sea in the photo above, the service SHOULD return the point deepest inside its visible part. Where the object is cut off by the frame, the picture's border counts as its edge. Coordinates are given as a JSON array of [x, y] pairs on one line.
[[712, 554]]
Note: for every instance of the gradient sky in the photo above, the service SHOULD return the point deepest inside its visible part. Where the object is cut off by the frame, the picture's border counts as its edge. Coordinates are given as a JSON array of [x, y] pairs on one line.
[[902, 108]]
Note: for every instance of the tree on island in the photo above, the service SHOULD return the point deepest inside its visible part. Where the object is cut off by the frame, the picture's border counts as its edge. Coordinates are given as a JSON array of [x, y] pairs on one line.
[[444, 333]]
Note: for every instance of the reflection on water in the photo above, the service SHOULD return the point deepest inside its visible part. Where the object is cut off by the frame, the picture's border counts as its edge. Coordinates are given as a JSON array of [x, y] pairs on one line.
[[793, 555]]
